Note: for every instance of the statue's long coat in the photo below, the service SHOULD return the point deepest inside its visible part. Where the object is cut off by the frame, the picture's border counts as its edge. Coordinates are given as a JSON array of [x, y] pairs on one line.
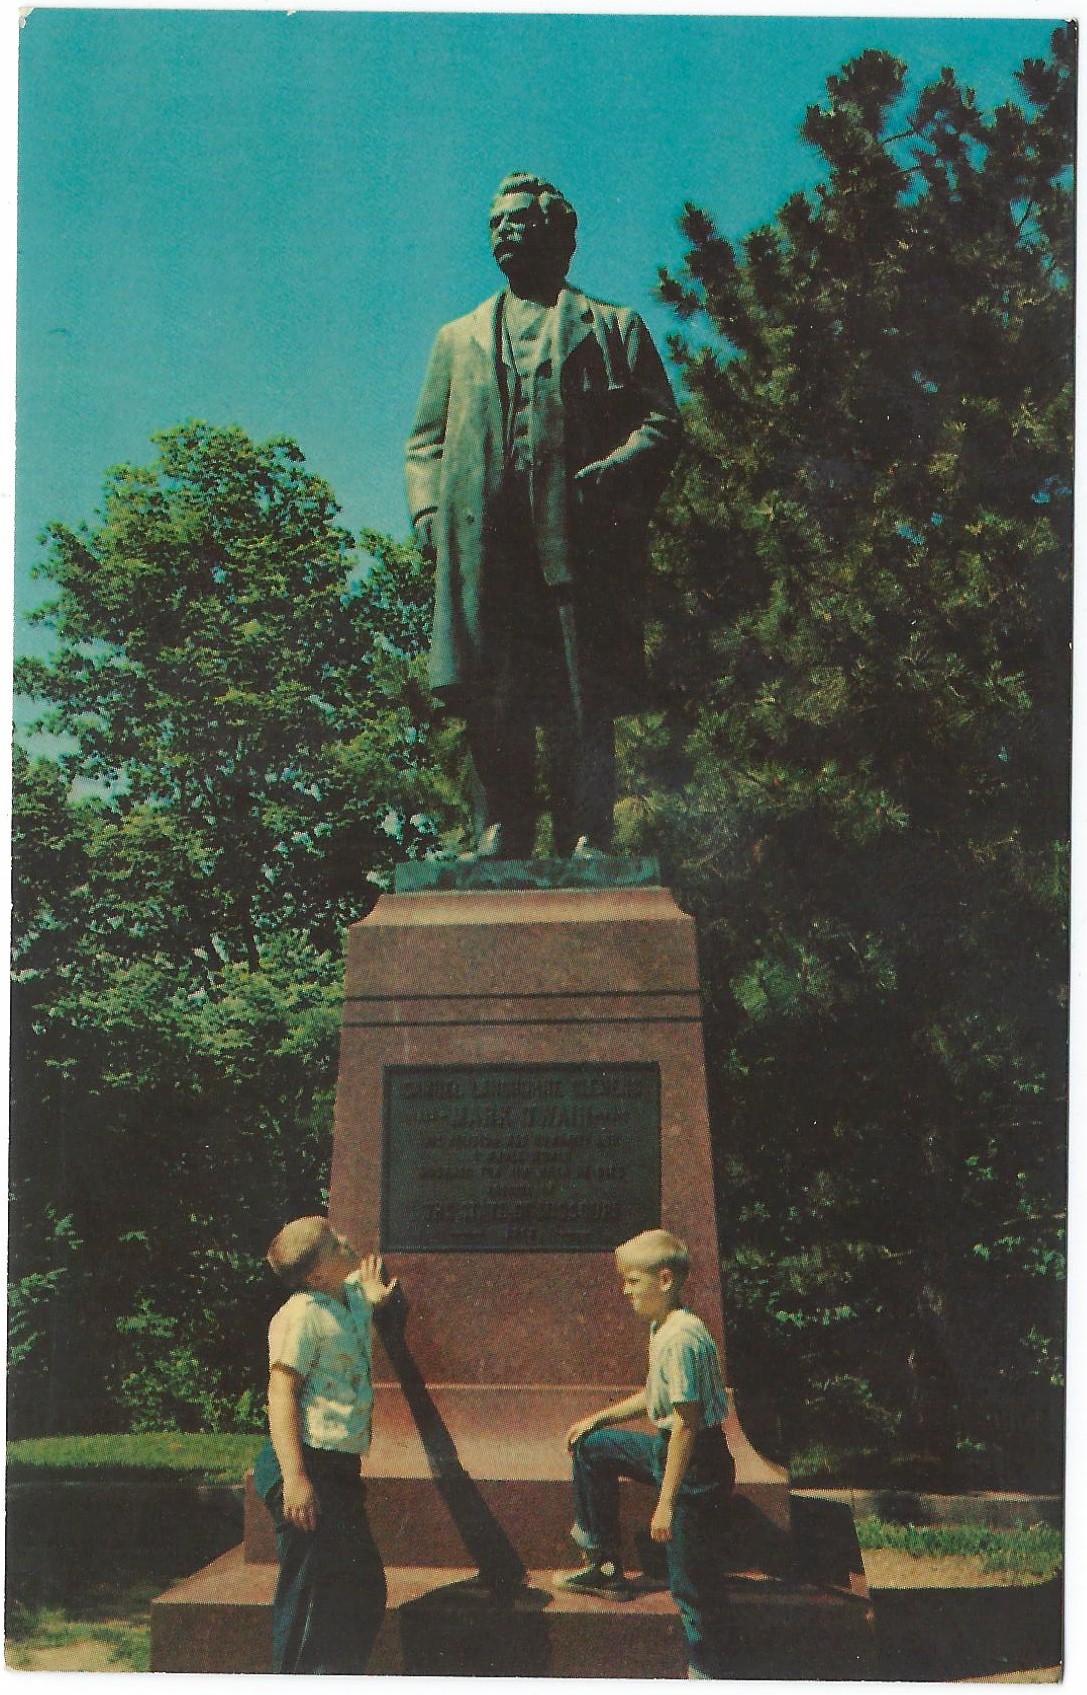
[[598, 387]]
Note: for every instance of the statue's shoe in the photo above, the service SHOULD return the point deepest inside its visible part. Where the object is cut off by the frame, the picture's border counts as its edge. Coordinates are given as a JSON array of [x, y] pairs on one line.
[[489, 846]]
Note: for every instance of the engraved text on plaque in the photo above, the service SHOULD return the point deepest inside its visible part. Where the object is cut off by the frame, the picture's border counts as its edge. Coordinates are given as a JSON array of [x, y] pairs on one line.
[[544, 1158]]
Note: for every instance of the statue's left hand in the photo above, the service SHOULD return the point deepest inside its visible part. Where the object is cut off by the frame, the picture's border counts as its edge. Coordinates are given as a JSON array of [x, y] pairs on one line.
[[594, 474], [424, 537]]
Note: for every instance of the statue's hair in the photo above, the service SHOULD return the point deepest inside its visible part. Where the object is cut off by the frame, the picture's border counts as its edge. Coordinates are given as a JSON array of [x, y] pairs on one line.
[[559, 216], [654, 1250], [295, 1251]]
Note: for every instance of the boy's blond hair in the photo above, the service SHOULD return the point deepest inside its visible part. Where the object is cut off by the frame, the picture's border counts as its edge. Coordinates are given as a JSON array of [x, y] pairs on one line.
[[297, 1248], [655, 1250]]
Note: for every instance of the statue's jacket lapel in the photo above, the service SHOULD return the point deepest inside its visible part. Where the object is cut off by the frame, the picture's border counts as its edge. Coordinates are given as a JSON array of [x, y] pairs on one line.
[[598, 384]]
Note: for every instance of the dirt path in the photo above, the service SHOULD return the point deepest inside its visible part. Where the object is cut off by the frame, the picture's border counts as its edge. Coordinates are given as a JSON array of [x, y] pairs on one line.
[[80, 1655], [90, 1648], [887, 1568]]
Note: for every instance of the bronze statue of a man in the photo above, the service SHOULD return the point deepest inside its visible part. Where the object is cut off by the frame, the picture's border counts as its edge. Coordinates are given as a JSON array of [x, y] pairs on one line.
[[543, 438]]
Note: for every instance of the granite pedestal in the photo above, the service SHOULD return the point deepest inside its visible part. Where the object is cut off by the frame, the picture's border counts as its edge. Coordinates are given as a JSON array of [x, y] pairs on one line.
[[521, 1086]]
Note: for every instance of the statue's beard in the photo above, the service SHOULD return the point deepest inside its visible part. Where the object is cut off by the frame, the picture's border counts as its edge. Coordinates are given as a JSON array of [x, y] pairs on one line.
[[530, 271]]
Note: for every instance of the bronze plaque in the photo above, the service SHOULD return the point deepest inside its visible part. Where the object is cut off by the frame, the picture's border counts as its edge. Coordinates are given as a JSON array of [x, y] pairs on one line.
[[532, 1158]]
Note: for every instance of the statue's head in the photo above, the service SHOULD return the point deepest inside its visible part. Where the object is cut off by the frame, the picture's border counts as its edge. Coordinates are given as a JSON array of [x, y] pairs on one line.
[[533, 226]]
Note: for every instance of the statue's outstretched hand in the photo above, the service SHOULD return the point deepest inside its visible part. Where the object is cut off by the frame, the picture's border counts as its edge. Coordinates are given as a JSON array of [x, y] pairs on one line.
[[593, 475]]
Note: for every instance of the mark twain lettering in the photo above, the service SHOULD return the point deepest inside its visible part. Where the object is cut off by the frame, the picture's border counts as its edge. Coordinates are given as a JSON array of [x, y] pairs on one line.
[[535, 1157]]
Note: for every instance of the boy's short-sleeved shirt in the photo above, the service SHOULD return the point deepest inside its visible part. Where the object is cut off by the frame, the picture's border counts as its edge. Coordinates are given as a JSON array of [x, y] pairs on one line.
[[684, 1366], [328, 1344]]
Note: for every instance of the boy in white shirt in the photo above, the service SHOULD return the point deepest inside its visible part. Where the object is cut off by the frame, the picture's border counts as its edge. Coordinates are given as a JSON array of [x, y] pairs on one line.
[[330, 1596], [687, 1460]]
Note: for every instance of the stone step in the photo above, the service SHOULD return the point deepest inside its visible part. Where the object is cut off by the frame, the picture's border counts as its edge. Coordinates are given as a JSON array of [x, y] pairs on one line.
[[454, 1519], [442, 1622], [510, 1429], [464, 1473], [451, 1521]]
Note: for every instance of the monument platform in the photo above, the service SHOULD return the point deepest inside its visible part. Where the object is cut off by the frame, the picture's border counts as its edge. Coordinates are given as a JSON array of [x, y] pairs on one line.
[[442, 1622], [521, 1087]]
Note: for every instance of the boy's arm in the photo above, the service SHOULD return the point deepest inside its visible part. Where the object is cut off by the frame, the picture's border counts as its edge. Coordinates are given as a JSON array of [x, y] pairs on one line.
[[619, 1413], [680, 1448], [300, 1504]]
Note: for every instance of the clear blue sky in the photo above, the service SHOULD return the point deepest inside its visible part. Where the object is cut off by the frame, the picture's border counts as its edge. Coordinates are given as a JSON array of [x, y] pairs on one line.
[[261, 219]]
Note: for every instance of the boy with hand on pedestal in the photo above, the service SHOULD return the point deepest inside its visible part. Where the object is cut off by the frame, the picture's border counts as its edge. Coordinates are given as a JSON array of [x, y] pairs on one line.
[[330, 1596], [687, 1460]]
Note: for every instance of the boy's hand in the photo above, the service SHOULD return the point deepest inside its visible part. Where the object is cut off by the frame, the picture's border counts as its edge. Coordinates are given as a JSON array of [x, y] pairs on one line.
[[300, 1504], [372, 1277], [578, 1430], [660, 1525]]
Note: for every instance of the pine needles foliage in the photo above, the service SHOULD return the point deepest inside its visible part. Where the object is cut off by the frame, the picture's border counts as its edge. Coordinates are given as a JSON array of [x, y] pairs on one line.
[[858, 776]]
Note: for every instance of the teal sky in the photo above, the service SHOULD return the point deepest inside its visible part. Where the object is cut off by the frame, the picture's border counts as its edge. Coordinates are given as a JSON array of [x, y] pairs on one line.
[[261, 219]]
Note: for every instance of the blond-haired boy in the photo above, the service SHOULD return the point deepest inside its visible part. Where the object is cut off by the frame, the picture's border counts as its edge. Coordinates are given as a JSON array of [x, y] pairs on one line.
[[687, 1459], [330, 1595]]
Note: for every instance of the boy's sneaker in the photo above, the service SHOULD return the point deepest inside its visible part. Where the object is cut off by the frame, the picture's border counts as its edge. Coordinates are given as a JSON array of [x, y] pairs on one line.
[[600, 1577]]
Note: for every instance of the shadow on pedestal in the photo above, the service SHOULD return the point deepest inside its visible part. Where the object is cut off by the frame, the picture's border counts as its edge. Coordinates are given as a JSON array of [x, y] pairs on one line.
[[469, 1629], [500, 1566]]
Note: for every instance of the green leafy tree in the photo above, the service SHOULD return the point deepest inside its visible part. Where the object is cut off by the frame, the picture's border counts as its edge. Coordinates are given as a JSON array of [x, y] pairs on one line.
[[860, 777], [221, 658], [250, 747]]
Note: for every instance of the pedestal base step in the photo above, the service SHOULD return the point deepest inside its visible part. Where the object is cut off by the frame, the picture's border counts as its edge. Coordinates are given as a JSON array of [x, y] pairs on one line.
[[461, 1474], [442, 1622]]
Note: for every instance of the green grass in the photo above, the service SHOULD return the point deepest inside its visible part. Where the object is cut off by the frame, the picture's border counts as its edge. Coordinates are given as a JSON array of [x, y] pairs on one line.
[[156, 1457], [123, 1646], [106, 1626], [1035, 1551]]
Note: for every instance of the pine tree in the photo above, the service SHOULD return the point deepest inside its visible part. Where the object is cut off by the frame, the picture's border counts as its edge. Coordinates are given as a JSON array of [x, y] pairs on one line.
[[862, 646]]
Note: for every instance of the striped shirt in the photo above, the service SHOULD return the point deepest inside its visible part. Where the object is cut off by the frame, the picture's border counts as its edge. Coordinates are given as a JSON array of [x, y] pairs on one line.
[[684, 1367]]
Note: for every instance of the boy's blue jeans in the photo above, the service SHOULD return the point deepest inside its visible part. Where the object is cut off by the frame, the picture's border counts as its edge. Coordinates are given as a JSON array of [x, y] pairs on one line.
[[695, 1551], [330, 1596]]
